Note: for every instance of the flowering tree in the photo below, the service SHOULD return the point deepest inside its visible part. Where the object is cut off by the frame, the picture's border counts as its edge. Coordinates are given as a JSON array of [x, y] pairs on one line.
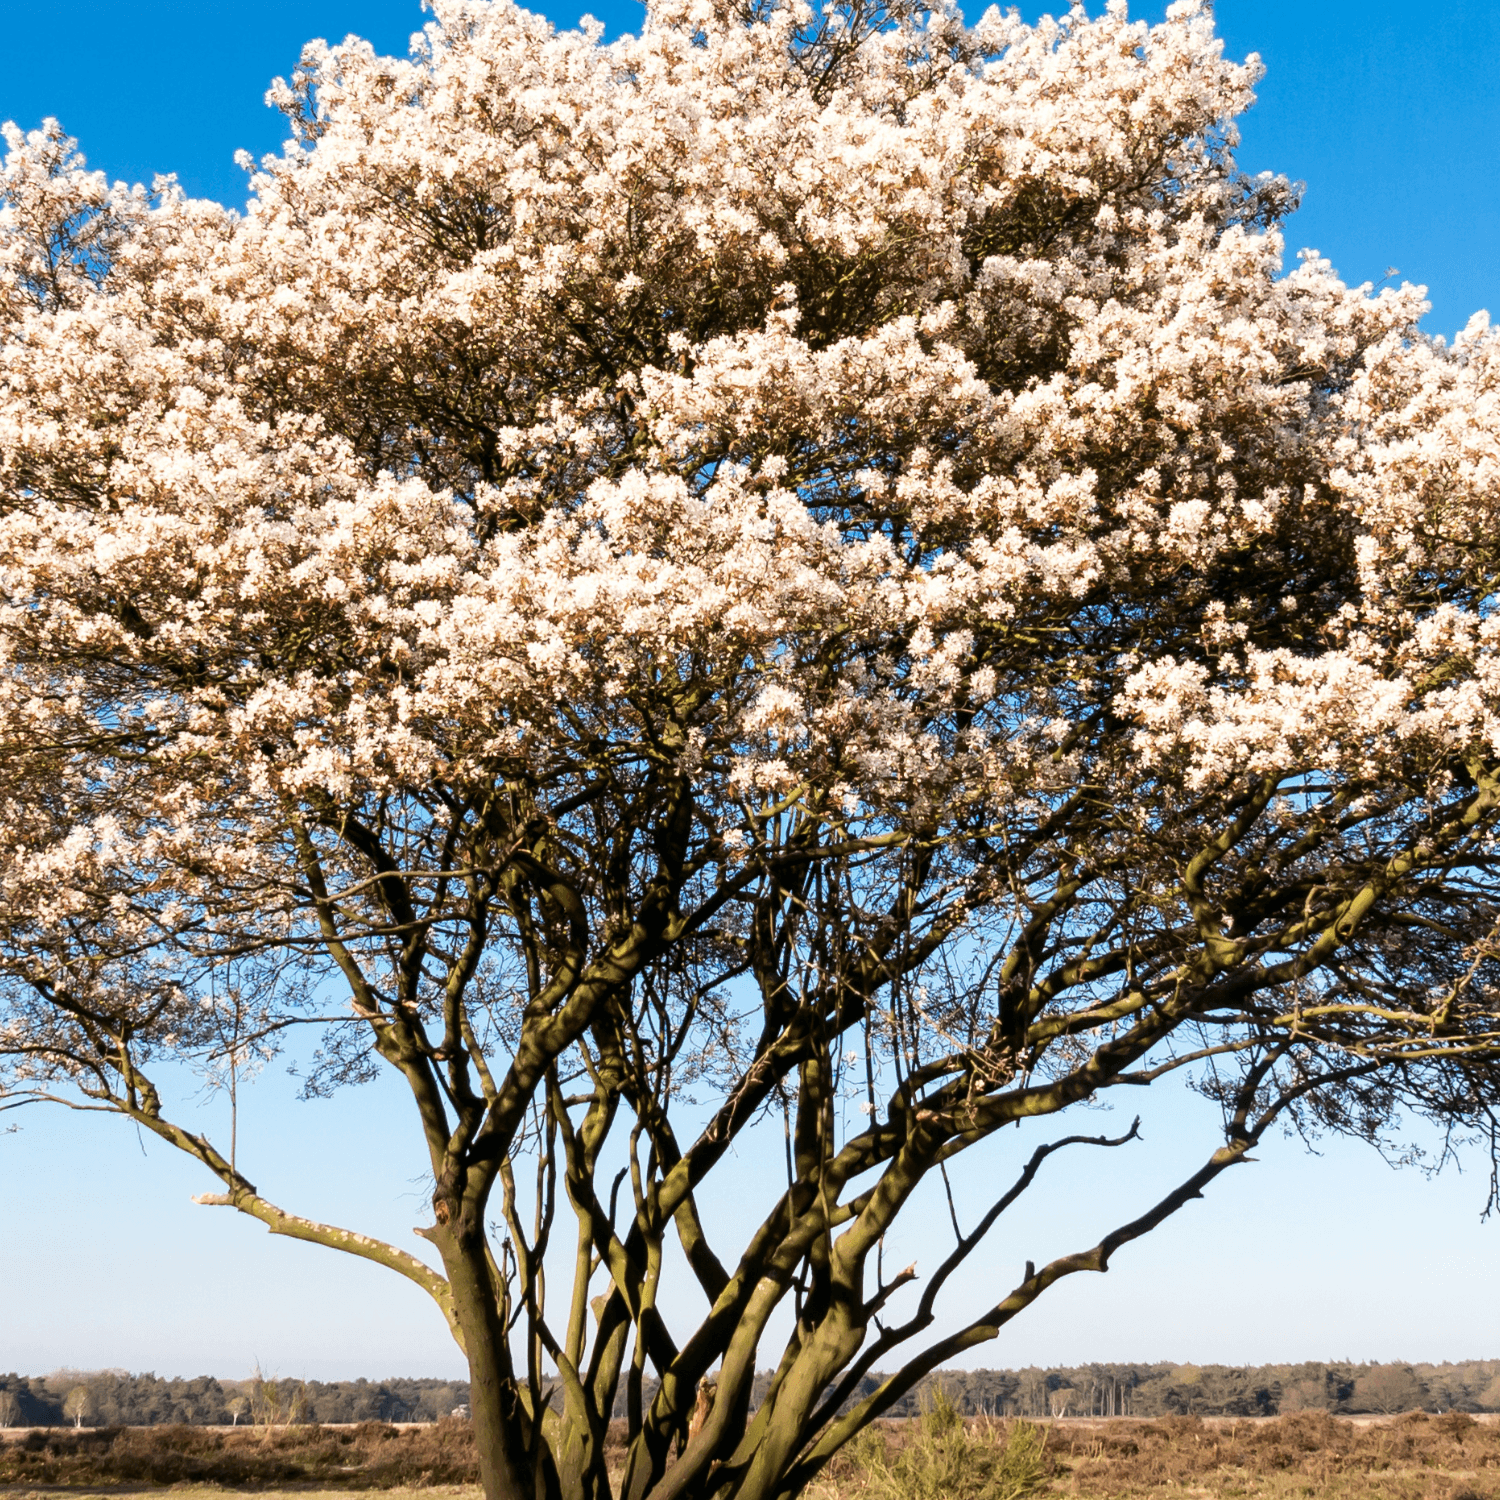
[[812, 562]]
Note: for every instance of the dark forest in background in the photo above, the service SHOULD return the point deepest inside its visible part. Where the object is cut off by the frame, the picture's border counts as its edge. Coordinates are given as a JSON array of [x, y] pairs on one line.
[[114, 1398]]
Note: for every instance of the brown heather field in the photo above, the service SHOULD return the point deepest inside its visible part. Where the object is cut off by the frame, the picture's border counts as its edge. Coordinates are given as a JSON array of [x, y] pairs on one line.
[[1415, 1457], [938, 1457], [370, 1456]]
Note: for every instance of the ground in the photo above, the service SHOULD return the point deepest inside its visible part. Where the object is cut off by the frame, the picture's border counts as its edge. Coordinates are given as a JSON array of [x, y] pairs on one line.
[[1413, 1457]]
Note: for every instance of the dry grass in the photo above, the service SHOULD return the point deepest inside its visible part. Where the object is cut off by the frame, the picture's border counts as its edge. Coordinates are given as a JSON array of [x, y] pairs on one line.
[[1181, 1458], [1308, 1455], [218, 1492], [370, 1456]]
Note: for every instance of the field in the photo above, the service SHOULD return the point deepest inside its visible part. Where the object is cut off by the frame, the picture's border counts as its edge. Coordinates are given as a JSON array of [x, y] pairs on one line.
[[1415, 1457]]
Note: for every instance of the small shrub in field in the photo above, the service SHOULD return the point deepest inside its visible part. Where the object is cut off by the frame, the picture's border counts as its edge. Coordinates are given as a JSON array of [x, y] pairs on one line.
[[948, 1460]]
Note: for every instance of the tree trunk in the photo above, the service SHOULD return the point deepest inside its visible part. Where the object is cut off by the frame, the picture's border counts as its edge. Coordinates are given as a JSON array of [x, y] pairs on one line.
[[501, 1428]]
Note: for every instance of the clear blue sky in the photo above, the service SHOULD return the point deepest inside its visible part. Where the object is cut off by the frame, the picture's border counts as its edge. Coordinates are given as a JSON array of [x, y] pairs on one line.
[[1391, 115]]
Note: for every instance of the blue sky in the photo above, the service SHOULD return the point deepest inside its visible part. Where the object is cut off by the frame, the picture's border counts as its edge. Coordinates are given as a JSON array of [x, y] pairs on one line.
[[1391, 115]]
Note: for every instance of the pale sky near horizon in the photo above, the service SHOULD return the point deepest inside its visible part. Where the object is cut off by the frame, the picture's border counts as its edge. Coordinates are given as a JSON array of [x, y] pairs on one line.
[[1390, 114]]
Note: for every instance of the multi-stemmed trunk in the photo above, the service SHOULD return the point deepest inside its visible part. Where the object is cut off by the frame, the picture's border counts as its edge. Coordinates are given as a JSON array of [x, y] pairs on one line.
[[506, 1465]]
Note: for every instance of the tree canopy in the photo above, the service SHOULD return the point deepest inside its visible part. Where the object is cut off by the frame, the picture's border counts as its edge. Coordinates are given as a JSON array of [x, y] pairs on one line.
[[816, 562]]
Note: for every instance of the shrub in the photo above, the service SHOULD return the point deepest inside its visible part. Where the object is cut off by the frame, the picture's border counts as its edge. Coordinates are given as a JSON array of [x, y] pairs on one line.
[[948, 1459]]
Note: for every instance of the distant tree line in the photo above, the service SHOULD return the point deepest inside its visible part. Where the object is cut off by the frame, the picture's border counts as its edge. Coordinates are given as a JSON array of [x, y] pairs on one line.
[[108, 1398], [1164, 1390], [113, 1398], [1159, 1390]]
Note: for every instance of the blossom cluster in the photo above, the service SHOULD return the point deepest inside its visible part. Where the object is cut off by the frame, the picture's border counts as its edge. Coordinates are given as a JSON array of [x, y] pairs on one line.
[[938, 428]]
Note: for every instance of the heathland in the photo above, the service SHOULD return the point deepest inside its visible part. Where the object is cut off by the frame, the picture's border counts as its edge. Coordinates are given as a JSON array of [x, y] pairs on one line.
[[937, 1456]]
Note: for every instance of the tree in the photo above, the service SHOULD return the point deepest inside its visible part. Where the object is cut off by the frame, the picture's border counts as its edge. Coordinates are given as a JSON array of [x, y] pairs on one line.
[[10, 1408], [1308, 1394], [1389, 1389], [805, 571], [78, 1405]]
